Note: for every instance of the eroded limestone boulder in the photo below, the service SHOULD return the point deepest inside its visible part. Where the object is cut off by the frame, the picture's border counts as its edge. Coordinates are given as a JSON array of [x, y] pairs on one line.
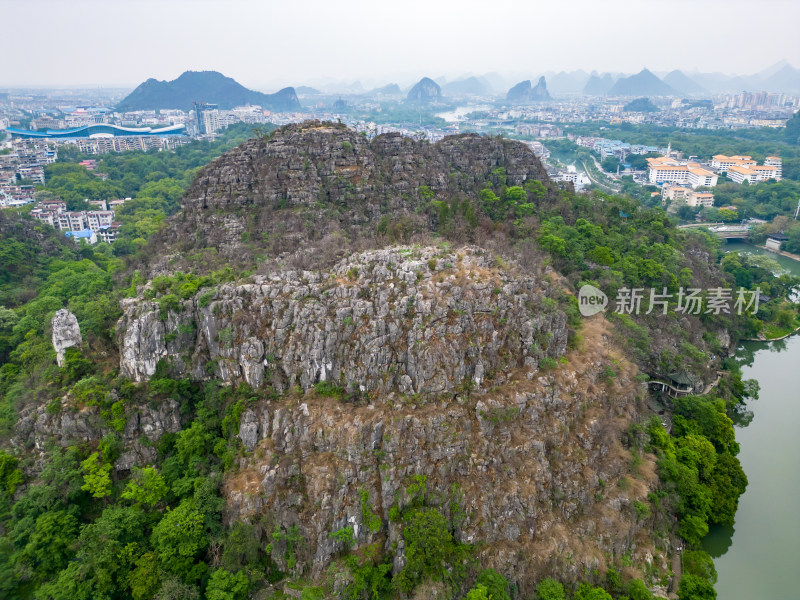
[[66, 333]]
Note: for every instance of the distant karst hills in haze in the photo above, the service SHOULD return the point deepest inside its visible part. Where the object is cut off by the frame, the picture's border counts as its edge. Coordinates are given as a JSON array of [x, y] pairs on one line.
[[781, 77], [523, 93], [204, 86], [425, 91], [215, 88]]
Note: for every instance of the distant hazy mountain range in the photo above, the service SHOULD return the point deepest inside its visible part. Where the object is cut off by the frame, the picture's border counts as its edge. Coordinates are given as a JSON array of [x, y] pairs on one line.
[[213, 87], [781, 77], [391, 89], [471, 86], [204, 86], [644, 83], [683, 84]]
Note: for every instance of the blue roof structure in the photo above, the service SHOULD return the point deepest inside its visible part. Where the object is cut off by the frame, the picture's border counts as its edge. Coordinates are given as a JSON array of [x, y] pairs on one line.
[[83, 233], [97, 129]]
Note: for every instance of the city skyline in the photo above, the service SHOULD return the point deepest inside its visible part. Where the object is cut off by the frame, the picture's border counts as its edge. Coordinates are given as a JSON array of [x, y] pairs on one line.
[[270, 45]]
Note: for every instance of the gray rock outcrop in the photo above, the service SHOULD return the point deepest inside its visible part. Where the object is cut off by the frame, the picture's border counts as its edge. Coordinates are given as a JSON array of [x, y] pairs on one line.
[[417, 321], [38, 426], [66, 333]]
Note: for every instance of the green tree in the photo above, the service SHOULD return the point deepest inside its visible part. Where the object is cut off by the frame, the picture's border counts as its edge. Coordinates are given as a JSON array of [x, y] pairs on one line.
[[147, 486], [224, 585], [602, 255], [697, 452], [495, 584], [179, 538], [728, 482], [241, 547], [145, 579], [550, 589], [693, 587], [637, 590], [693, 528], [515, 195], [10, 475], [610, 164], [699, 563], [73, 583], [50, 543], [587, 592], [479, 592], [96, 476], [431, 552]]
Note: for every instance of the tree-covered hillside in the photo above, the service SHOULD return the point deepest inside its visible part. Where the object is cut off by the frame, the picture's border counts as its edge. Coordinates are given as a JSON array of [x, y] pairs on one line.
[[83, 516]]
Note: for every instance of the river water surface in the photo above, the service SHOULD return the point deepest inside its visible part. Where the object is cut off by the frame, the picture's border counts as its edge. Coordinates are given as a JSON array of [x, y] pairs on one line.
[[759, 557]]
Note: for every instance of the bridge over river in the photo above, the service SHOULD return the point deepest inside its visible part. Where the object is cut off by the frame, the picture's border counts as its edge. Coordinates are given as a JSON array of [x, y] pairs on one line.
[[728, 232]]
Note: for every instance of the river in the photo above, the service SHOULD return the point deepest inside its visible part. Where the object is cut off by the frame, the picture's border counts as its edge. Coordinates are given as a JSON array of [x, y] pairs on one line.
[[789, 264], [460, 112], [759, 557]]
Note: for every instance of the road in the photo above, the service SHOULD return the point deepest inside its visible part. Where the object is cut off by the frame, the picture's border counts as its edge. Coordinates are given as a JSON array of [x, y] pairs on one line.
[[692, 225], [599, 184]]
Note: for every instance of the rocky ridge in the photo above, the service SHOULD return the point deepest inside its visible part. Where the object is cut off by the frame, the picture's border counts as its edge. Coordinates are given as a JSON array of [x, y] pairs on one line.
[[316, 181], [144, 425]]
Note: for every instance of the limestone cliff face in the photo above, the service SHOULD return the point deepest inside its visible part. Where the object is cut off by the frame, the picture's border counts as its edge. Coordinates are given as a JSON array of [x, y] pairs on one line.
[[144, 424], [413, 320], [534, 468]]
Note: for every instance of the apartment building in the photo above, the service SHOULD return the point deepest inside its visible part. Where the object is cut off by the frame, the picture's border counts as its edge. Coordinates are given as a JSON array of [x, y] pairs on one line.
[[754, 174], [667, 170], [109, 233], [673, 193], [97, 219], [774, 161], [701, 177], [70, 221], [55, 214], [700, 199], [98, 204], [663, 170], [721, 163]]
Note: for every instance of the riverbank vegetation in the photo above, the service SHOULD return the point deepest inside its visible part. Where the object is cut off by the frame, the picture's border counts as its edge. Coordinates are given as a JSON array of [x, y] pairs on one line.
[[777, 315]]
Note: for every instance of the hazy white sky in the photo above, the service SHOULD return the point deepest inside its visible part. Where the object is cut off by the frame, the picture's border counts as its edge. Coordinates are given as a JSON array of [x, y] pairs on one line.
[[272, 44]]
